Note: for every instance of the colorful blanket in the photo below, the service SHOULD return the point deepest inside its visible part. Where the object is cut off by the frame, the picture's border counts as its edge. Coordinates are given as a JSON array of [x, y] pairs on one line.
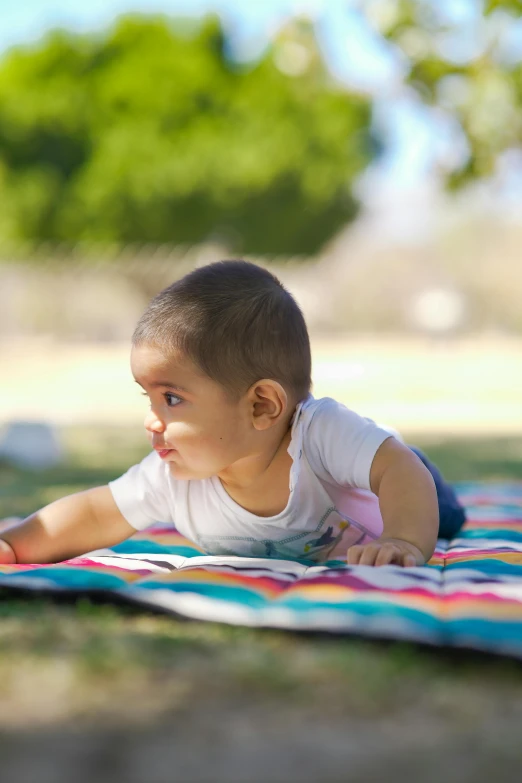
[[468, 595]]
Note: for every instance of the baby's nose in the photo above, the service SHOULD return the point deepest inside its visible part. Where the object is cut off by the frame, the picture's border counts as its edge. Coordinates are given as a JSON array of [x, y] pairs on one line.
[[152, 423]]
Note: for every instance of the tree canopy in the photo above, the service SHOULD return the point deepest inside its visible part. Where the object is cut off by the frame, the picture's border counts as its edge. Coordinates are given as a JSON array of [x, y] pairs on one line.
[[150, 134], [467, 68]]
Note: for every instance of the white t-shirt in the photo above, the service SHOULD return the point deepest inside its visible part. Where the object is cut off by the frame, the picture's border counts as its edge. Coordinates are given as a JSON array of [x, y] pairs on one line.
[[330, 506]]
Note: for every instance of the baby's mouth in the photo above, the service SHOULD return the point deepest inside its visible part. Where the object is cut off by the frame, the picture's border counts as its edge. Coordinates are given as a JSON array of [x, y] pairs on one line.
[[164, 452]]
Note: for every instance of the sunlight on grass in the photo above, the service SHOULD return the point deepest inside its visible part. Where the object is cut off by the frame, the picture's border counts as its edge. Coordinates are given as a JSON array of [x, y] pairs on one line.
[[104, 658]]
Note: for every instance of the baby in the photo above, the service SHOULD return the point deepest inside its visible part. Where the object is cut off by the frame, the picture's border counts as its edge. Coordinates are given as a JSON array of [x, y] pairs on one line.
[[244, 460]]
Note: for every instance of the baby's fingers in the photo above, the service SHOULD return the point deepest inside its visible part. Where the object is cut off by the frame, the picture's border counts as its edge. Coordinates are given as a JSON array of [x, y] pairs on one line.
[[354, 554], [362, 554], [389, 553], [409, 561], [379, 554]]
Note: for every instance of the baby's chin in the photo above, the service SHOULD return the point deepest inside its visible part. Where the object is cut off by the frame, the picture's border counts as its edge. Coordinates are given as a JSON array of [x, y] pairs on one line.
[[184, 473]]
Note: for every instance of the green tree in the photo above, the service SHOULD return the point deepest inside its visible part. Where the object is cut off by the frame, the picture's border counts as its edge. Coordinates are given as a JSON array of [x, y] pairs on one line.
[[481, 85], [150, 134]]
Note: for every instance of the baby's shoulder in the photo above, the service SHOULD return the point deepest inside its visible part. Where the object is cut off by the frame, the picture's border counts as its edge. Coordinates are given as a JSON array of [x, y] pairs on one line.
[[325, 409], [325, 421]]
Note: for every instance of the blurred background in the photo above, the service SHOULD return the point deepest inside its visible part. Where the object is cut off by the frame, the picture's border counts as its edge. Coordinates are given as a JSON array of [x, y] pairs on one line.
[[368, 152]]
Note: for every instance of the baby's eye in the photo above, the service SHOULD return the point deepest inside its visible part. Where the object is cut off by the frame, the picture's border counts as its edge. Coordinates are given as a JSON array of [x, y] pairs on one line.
[[172, 399]]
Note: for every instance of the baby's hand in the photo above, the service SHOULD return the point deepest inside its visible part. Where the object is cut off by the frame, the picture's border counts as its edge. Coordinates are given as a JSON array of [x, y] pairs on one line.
[[7, 556], [384, 551]]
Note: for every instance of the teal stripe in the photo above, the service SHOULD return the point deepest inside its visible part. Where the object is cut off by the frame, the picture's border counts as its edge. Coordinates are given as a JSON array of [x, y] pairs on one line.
[[502, 534], [485, 629], [72, 578], [365, 609], [151, 547], [491, 566], [232, 594]]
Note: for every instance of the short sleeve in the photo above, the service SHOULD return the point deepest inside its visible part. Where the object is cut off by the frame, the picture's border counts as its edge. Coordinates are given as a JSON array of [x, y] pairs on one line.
[[340, 445], [142, 493]]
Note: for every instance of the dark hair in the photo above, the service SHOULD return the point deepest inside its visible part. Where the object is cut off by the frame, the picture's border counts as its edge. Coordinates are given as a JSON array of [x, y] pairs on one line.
[[237, 323]]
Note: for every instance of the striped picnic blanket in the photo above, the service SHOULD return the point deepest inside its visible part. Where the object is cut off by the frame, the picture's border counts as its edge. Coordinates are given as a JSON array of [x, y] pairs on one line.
[[468, 595]]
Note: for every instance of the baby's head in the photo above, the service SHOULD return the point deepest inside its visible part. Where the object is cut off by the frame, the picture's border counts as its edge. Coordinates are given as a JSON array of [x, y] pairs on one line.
[[224, 356]]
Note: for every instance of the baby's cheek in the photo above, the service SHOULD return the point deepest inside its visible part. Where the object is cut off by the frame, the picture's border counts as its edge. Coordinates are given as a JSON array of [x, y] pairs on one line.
[[231, 442], [205, 451], [204, 454], [217, 456]]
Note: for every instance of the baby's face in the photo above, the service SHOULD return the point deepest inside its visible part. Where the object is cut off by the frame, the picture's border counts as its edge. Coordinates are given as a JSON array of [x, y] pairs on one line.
[[192, 424]]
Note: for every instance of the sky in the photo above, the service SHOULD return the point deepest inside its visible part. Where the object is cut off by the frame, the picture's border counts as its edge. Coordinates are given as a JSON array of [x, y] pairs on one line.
[[416, 138], [249, 23]]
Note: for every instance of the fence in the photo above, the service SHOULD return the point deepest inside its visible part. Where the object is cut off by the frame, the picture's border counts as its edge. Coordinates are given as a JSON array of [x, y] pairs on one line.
[[466, 280]]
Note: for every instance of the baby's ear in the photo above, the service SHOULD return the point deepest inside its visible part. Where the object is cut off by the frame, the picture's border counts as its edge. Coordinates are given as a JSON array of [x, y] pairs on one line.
[[269, 403]]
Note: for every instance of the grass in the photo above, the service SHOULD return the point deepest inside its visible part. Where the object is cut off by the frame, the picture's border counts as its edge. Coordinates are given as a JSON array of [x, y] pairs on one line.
[[64, 660]]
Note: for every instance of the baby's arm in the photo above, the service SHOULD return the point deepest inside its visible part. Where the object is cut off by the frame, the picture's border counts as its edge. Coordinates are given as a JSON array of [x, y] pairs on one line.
[[409, 509], [69, 527]]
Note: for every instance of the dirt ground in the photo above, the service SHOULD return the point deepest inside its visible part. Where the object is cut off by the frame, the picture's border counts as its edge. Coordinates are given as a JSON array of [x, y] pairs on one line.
[[257, 744], [466, 386]]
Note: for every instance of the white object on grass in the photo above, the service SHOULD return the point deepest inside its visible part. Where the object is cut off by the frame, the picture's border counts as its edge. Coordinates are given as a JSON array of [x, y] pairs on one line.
[[31, 444]]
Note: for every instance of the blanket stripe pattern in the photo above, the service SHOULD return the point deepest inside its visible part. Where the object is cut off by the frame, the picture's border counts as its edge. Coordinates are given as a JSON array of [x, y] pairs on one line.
[[468, 595]]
